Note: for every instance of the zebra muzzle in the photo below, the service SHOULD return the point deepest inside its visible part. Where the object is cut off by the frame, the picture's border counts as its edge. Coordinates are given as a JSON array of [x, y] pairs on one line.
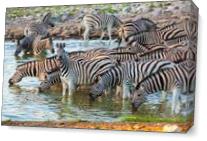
[[11, 82], [135, 106]]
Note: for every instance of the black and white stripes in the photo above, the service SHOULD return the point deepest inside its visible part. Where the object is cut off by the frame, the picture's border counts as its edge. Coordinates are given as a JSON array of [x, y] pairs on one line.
[[179, 80], [103, 22]]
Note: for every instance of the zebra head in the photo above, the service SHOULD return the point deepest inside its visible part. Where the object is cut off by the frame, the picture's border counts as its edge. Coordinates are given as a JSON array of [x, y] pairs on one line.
[[61, 53], [47, 19], [24, 44], [97, 90], [137, 98], [52, 78], [121, 36], [16, 77]]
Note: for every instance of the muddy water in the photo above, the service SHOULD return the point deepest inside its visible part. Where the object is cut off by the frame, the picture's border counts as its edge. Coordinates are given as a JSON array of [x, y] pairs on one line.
[[23, 102]]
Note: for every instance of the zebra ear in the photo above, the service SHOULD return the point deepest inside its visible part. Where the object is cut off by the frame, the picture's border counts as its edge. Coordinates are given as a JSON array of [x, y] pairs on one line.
[[46, 17]]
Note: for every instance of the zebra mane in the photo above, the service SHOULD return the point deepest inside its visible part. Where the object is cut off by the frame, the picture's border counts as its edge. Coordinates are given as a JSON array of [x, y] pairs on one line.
[[139, 84], [168, 26], [159, 48], [24, 64]]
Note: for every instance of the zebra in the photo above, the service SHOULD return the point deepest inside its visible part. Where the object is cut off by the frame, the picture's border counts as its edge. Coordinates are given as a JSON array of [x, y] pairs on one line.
[[191, 28], [52, 78], [127, 71], [180, 79], [105, 22], [24, 45], [175, 53], [40, 45], [34, 69], [40, 28], [134, 27], [33, 45], [74, 73], [168, 35]]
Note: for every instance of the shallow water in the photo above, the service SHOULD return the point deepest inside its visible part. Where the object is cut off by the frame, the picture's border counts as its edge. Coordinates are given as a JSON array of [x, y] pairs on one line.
[[23, 103]]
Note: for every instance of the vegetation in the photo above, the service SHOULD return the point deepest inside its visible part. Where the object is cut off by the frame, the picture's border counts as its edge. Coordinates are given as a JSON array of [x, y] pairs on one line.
[[155, 118]]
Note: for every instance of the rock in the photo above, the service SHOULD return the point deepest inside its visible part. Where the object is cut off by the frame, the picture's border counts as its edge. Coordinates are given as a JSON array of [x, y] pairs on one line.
[[64, 17], [171, 128], [157, 12], [126, 10]]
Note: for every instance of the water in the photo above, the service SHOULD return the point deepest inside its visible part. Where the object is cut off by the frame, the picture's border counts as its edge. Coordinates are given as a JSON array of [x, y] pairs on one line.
[[23, 103]]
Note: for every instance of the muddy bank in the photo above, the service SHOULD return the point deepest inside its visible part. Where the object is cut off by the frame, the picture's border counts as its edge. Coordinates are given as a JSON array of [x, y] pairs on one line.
[[68, 18], [156, 127]]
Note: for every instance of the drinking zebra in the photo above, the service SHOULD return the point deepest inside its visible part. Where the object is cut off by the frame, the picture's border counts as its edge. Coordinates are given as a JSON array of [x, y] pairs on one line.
[[132, 28], [40, 28], [180, 79], [103, 22], [24, 45], [34, 69], [74, 73], [127, 71], [34, 45]]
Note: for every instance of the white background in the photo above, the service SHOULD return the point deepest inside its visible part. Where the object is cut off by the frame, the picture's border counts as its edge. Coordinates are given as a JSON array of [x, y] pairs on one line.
[[198, 132]]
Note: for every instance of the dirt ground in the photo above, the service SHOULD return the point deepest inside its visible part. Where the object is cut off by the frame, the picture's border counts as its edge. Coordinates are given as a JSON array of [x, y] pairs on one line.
[[155, 127]]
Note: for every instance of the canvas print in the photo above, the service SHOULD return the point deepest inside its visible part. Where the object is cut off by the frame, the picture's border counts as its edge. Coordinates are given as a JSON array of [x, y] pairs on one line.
[[120, 66]]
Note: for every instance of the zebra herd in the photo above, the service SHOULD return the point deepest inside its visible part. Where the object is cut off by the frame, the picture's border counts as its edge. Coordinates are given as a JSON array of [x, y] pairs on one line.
[[149, 58]]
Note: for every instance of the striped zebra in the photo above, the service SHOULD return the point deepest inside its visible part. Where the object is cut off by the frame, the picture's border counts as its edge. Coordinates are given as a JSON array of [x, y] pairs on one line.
[[103, 22], [132, 28], [39, 45], [34, 69], [191, 28], [33, 45], [24, 45], [39, 28], [180, 79], [127, 71], [74, 73], [168, 35], [176, 53], [52, 78]]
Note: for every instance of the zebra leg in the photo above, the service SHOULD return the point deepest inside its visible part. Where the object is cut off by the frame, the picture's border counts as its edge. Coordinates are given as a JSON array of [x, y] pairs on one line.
[[86, 35], [72, 87], [108, 91], [102, 35], [119, 90], [65, 87], [175, 108], [163, 96], [109, 34], [126, 91]]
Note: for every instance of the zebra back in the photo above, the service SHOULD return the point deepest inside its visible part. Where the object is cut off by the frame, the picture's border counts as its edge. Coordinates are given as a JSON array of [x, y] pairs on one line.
[[182, 75], [131, 28], [39, 45]]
